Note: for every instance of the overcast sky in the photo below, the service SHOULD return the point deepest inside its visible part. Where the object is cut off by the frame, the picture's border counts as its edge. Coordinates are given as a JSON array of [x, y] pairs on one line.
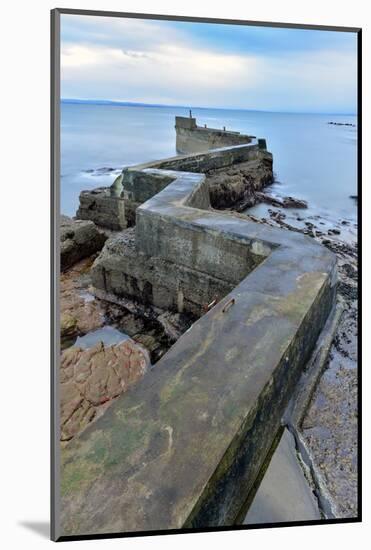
[[208, 65]]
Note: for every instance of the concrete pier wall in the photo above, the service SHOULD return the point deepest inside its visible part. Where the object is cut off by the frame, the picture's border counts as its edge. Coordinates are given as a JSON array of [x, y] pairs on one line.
[[115, 207], [104, 209], [184, 447], [191, 138]]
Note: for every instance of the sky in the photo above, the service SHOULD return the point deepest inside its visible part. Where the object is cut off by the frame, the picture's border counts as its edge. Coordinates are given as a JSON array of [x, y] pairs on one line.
[[208, 65]]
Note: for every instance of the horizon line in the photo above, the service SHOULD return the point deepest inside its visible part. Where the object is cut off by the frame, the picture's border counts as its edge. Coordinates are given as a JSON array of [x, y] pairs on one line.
[[142, 104]]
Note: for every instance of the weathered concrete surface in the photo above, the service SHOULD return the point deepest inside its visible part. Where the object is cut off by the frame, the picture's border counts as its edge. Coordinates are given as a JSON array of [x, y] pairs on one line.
[[137, 468], [184, 447], [210, 160], [285, 494], [173, 266], [102, 207], [140, 186], [191, 138], [115, 207], [91, 378], [123, 272], [79, 239]]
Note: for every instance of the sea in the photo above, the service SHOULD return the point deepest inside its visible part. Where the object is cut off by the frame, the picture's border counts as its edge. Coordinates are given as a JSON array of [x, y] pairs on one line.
[[312, 160]]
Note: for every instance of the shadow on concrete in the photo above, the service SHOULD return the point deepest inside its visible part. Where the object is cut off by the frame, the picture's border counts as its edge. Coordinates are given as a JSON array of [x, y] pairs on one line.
[[41, 528]]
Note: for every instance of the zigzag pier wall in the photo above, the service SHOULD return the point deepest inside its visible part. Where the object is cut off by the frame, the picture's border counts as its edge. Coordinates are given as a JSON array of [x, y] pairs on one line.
[[114, 207], [184, 447]]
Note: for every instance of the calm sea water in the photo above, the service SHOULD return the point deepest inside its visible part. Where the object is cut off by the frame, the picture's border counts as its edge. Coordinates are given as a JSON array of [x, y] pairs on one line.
[[313, 160]]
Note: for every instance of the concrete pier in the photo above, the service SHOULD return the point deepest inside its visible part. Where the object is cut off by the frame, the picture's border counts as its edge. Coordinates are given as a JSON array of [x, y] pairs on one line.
[[191, 138], [183, 448]]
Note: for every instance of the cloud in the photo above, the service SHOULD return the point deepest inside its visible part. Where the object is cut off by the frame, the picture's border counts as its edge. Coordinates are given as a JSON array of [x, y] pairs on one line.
[[115, 32], [187, 74], [157, 62]]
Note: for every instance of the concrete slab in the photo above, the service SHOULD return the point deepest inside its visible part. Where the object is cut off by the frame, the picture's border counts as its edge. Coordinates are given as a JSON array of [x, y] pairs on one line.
[[284, 494]]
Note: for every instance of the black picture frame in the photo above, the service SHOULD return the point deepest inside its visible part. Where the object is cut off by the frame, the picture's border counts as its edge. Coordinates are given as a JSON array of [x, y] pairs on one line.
[[55, 260]]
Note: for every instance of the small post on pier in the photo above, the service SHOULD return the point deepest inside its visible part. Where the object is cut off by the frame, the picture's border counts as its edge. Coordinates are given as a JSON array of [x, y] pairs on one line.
[[190, 113]]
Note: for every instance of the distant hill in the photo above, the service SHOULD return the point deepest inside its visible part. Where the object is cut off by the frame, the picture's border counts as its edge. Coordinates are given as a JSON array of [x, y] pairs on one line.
[[123, 103], [137, 104]]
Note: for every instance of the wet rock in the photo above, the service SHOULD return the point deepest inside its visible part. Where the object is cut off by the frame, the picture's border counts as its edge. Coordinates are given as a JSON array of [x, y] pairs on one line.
[[350, 271], [132, 324], [68, 325], [236, 186], [342, 124], [285, 202], [348, 291], [174, 324], [291, 202], [334, 231], [269, 199], [101, 171], [93, 377], [152, 344], [79, 311], [79, 239]]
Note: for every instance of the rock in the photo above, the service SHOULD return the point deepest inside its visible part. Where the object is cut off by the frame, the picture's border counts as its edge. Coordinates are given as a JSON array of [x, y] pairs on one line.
[[350, 271], [334, 231], [131, 324], [101, 171], [154, 343], [274, 201], [174, 324], [349, 292], [342, 124], [291, 202], [79, 239], [91, 378], [68, 325], [285, 202], [79, 315], [235, 186]]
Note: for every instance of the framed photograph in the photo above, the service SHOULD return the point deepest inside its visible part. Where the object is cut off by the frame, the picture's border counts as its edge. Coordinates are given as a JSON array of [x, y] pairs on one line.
[[206, 190]]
